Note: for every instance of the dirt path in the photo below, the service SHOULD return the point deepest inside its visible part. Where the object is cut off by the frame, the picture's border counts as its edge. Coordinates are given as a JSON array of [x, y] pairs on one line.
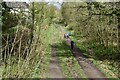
[[55, 71], [88, 67]]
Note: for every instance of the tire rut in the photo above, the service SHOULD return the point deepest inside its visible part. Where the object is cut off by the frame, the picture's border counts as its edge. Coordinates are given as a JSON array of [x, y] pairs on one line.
[[55, 71], [88, 67]]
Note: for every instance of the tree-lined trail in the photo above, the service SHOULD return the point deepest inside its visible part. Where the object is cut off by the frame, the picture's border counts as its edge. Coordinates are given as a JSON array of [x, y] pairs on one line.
[[33, 43], [88, 67]]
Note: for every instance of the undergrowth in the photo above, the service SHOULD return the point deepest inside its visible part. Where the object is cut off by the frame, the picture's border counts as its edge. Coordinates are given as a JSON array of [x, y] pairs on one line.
[[24, 60], [106, 59]]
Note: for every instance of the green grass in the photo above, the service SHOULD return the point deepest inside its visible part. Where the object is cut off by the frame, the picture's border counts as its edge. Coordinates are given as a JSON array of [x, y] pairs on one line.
[[36, 65], [69, 65], [84, 48], [48, 34], [108, 69], [1, 70]]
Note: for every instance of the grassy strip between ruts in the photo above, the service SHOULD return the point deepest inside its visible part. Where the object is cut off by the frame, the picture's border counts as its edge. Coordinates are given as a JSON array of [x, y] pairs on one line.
[[69, 65], [99, 64]]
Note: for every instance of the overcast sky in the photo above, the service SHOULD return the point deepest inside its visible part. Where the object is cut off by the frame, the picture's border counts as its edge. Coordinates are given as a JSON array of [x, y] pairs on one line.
[[33, 0], [62, 0], [56, 3]]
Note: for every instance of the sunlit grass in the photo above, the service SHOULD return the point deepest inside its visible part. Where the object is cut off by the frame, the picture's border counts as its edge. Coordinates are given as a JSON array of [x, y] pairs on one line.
[[35, 65], [69, 65], [111, 71]]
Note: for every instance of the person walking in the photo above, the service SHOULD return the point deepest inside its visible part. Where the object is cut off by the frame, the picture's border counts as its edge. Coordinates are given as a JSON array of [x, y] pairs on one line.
[[72, 45], [67, 35]]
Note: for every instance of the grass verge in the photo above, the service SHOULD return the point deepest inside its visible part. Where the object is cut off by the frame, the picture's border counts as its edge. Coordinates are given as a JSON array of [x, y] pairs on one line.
[[36, 63], [105, 66]]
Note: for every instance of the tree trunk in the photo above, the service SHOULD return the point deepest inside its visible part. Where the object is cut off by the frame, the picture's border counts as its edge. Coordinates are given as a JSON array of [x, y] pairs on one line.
[[118, 33], [32, 28]]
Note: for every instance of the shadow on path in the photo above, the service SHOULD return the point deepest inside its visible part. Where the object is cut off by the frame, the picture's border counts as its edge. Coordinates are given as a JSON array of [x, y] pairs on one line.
[[88, 67], [55, 71]]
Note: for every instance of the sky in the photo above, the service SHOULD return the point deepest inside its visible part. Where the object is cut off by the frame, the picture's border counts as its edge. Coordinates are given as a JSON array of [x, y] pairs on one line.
[[62, 0], [57, 2], [33, 0], [58, 5]]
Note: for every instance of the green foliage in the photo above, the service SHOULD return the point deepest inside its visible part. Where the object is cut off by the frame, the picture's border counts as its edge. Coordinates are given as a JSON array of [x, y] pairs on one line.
[[26, 46], [10, 19], [95, 26], [94, 21]]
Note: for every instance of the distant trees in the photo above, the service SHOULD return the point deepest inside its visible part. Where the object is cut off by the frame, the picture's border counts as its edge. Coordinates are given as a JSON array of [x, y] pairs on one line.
[[20, 28], [98, 26], [8, 18], [23, 37], [95, 21]]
